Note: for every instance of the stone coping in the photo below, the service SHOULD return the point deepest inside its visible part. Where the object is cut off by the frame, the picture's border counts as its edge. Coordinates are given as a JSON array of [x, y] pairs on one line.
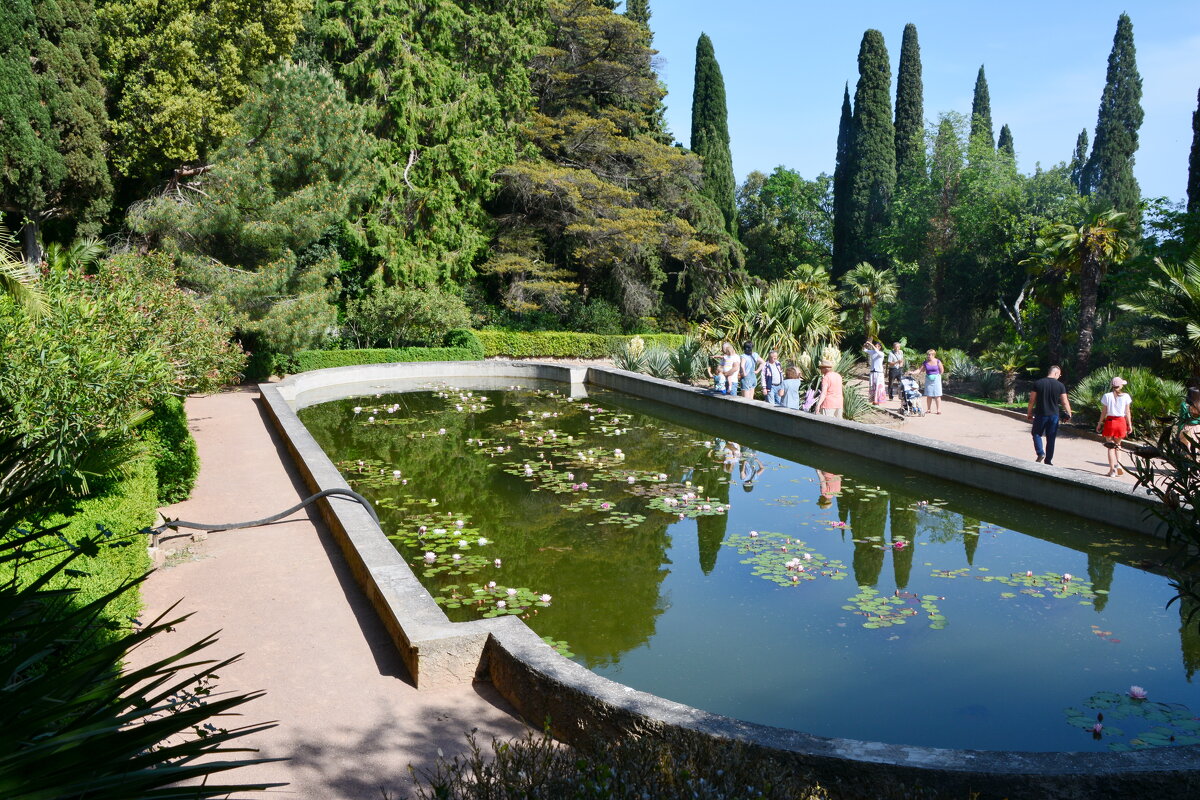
[[580, 705]]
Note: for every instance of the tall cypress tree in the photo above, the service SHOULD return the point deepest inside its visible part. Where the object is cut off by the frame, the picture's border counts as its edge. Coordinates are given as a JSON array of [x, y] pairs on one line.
[[1079, 160], [910, 110], [1193, 186], [1005, 143], [1109, 172], [639, 12], [872, 176], [981, 110], [841, 188], [710, 132]]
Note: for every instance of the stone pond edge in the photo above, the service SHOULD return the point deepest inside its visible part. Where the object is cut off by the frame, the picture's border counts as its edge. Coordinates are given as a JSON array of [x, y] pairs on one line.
[[578, 704]]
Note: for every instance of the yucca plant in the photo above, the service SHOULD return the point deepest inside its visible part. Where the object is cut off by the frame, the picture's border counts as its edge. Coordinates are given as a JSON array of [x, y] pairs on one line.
[[658, 363], [855, 405], [688, 361], [1153, 397], [629, 356]]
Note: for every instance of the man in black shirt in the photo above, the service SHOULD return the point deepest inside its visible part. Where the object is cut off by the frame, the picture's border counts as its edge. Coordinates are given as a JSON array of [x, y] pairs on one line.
[[1044, 401]]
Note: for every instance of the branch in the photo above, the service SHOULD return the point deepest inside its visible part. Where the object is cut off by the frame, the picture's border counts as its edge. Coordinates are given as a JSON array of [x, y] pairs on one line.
[[412, 159]]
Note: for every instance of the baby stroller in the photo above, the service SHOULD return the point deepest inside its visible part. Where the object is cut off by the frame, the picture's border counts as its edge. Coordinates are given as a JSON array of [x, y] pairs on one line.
[[910, 397]]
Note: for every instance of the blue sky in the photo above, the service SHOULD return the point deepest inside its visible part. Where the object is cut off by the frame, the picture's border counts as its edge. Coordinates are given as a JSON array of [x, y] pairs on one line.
[[785, 62]]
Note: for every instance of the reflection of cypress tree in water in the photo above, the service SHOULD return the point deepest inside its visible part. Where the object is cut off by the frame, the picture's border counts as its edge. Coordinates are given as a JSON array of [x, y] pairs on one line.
[[710, 530], [1189, 637], [903, 527], [1100, 573], [970, 536], [868, 519]]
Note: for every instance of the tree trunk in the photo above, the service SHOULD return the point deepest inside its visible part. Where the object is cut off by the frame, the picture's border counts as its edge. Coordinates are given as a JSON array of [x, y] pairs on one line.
[[31, 242], [1089, 294], [1010, 387], [868, 319]]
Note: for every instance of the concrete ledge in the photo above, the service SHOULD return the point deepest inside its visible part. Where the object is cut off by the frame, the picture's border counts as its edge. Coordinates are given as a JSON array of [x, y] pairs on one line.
[[581, 706]]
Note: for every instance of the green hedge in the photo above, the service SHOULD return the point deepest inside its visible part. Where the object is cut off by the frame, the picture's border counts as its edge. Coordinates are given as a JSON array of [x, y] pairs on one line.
[[123, 506], [563, 344], [176, 462], [461, 337], [307, 360]]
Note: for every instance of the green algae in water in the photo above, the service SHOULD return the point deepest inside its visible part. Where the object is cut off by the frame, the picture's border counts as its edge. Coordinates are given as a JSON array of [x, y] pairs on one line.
[[581, 501]]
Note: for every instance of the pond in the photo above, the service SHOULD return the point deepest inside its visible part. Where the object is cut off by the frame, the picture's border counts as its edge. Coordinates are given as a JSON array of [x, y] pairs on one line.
[[771, 581]]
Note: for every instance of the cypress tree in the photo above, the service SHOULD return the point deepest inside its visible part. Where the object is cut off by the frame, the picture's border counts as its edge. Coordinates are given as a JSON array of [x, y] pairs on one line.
[[710, 132], [872, 177], [1079, 160], [910, 110], [1109, 171], [639, 12], [981, 110], [841, 188], [1193, 186], [1005, 143]]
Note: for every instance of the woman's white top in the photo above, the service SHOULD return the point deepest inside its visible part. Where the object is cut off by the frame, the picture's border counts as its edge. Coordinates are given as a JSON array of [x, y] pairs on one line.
[[1116, 405], [875, 357]]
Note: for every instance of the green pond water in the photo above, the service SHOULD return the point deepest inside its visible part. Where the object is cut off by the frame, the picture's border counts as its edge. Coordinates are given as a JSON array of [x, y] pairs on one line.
[[774, 582]]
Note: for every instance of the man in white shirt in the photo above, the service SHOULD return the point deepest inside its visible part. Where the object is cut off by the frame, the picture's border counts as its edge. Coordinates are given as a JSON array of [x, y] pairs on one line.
[[895, 362]]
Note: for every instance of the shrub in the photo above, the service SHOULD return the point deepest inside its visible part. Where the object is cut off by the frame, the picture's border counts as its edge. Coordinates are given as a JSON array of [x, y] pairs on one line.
[[959, 365], [1153, 397], [173, 449], [595, 316], [391, 317], [535, 767], [307, 360], [689, 361], [562, 344], [466, 339]]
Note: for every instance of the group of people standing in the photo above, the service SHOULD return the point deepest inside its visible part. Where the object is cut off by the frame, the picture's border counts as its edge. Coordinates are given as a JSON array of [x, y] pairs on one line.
[[782, 386], [932, 368]]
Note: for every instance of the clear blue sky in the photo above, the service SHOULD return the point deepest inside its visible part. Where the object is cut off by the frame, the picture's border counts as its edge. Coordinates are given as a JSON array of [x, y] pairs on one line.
[[785, 62]]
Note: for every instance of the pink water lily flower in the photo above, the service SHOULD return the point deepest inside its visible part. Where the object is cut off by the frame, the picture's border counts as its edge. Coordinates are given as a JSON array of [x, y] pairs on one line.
[[491, 584], [459, 523], [1028, 573], [631, 479], [753, 534], [899, 545], [808, 556], [431, 557], [1067, 576], [421, 529], [1137, 693], [1099, 726], [605, 506]]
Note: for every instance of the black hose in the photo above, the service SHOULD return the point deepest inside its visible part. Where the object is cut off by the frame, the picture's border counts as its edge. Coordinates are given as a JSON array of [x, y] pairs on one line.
[[230, 526]]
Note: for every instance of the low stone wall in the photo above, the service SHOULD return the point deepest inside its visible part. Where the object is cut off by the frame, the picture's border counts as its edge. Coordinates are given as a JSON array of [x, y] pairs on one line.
[[580, 705]]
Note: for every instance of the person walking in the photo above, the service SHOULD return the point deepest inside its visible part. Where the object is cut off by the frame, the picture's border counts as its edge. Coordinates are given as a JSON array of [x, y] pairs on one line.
[[874, 353], [1116, 422], [1047, 396], [895, 362], [788, 392], [729, 368], [829, 400], [751, 366], [934, 369], [772, 375]]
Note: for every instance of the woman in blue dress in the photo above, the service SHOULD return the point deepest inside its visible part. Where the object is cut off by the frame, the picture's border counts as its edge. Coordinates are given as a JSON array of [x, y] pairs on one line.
[[934, 369]]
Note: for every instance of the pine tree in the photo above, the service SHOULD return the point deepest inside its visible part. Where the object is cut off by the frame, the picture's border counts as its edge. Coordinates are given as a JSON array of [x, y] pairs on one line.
[[1079, 160], [710, 132], [910, 111], [1109, 173], [1005, 143], [639, 12], [981, 110], [872, 175], [841, 189]]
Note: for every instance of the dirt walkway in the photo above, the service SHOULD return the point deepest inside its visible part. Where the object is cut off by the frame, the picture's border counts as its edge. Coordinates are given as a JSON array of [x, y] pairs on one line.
[[350, 720]]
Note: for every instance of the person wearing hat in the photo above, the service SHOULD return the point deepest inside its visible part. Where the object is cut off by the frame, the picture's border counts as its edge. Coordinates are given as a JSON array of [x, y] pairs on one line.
[[1116, 422], [829, 400]]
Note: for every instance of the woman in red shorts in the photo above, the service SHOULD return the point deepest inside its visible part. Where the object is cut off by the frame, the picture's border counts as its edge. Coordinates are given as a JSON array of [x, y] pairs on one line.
[[1116, 422]]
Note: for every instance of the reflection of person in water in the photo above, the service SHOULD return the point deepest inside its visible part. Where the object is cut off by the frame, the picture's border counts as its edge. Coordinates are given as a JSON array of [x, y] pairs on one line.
[[752, 467], [831, 486], [731, 456]]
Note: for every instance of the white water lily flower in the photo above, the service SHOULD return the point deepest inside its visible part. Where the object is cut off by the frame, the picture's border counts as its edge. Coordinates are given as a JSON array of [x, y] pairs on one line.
[[482, 541], [501, 604], [463, 543], [545, 598], [439, 531], [431, 556], [511, 592], [457, 556], [358, 409], [496, 562]]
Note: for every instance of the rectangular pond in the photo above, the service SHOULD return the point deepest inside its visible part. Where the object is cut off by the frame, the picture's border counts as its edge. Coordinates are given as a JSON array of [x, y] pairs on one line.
[[787, 585]]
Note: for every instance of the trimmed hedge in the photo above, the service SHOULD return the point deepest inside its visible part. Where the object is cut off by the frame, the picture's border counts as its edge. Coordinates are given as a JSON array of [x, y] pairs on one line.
[[307, 360], [462, 337], [124, 507], [176, 462], [564, 344]]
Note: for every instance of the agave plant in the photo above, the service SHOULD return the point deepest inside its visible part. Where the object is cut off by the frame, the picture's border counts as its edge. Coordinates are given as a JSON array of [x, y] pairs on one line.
[[658, 363], [854, 403], [629, 356]]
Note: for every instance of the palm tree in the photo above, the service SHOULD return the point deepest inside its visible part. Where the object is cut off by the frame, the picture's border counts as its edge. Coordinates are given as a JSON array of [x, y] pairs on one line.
[[1171, 305], [1009, 358], [78, 257], [866, 288], [785, 317], [1098, 239], [18, 279]]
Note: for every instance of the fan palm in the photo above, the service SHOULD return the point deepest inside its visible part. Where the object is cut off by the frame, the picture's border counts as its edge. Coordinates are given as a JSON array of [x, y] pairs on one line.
[[866, 288], [18, 279], [79, 256], [1009, 359], [1170, 304], [785, 317], [1099, 238]]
